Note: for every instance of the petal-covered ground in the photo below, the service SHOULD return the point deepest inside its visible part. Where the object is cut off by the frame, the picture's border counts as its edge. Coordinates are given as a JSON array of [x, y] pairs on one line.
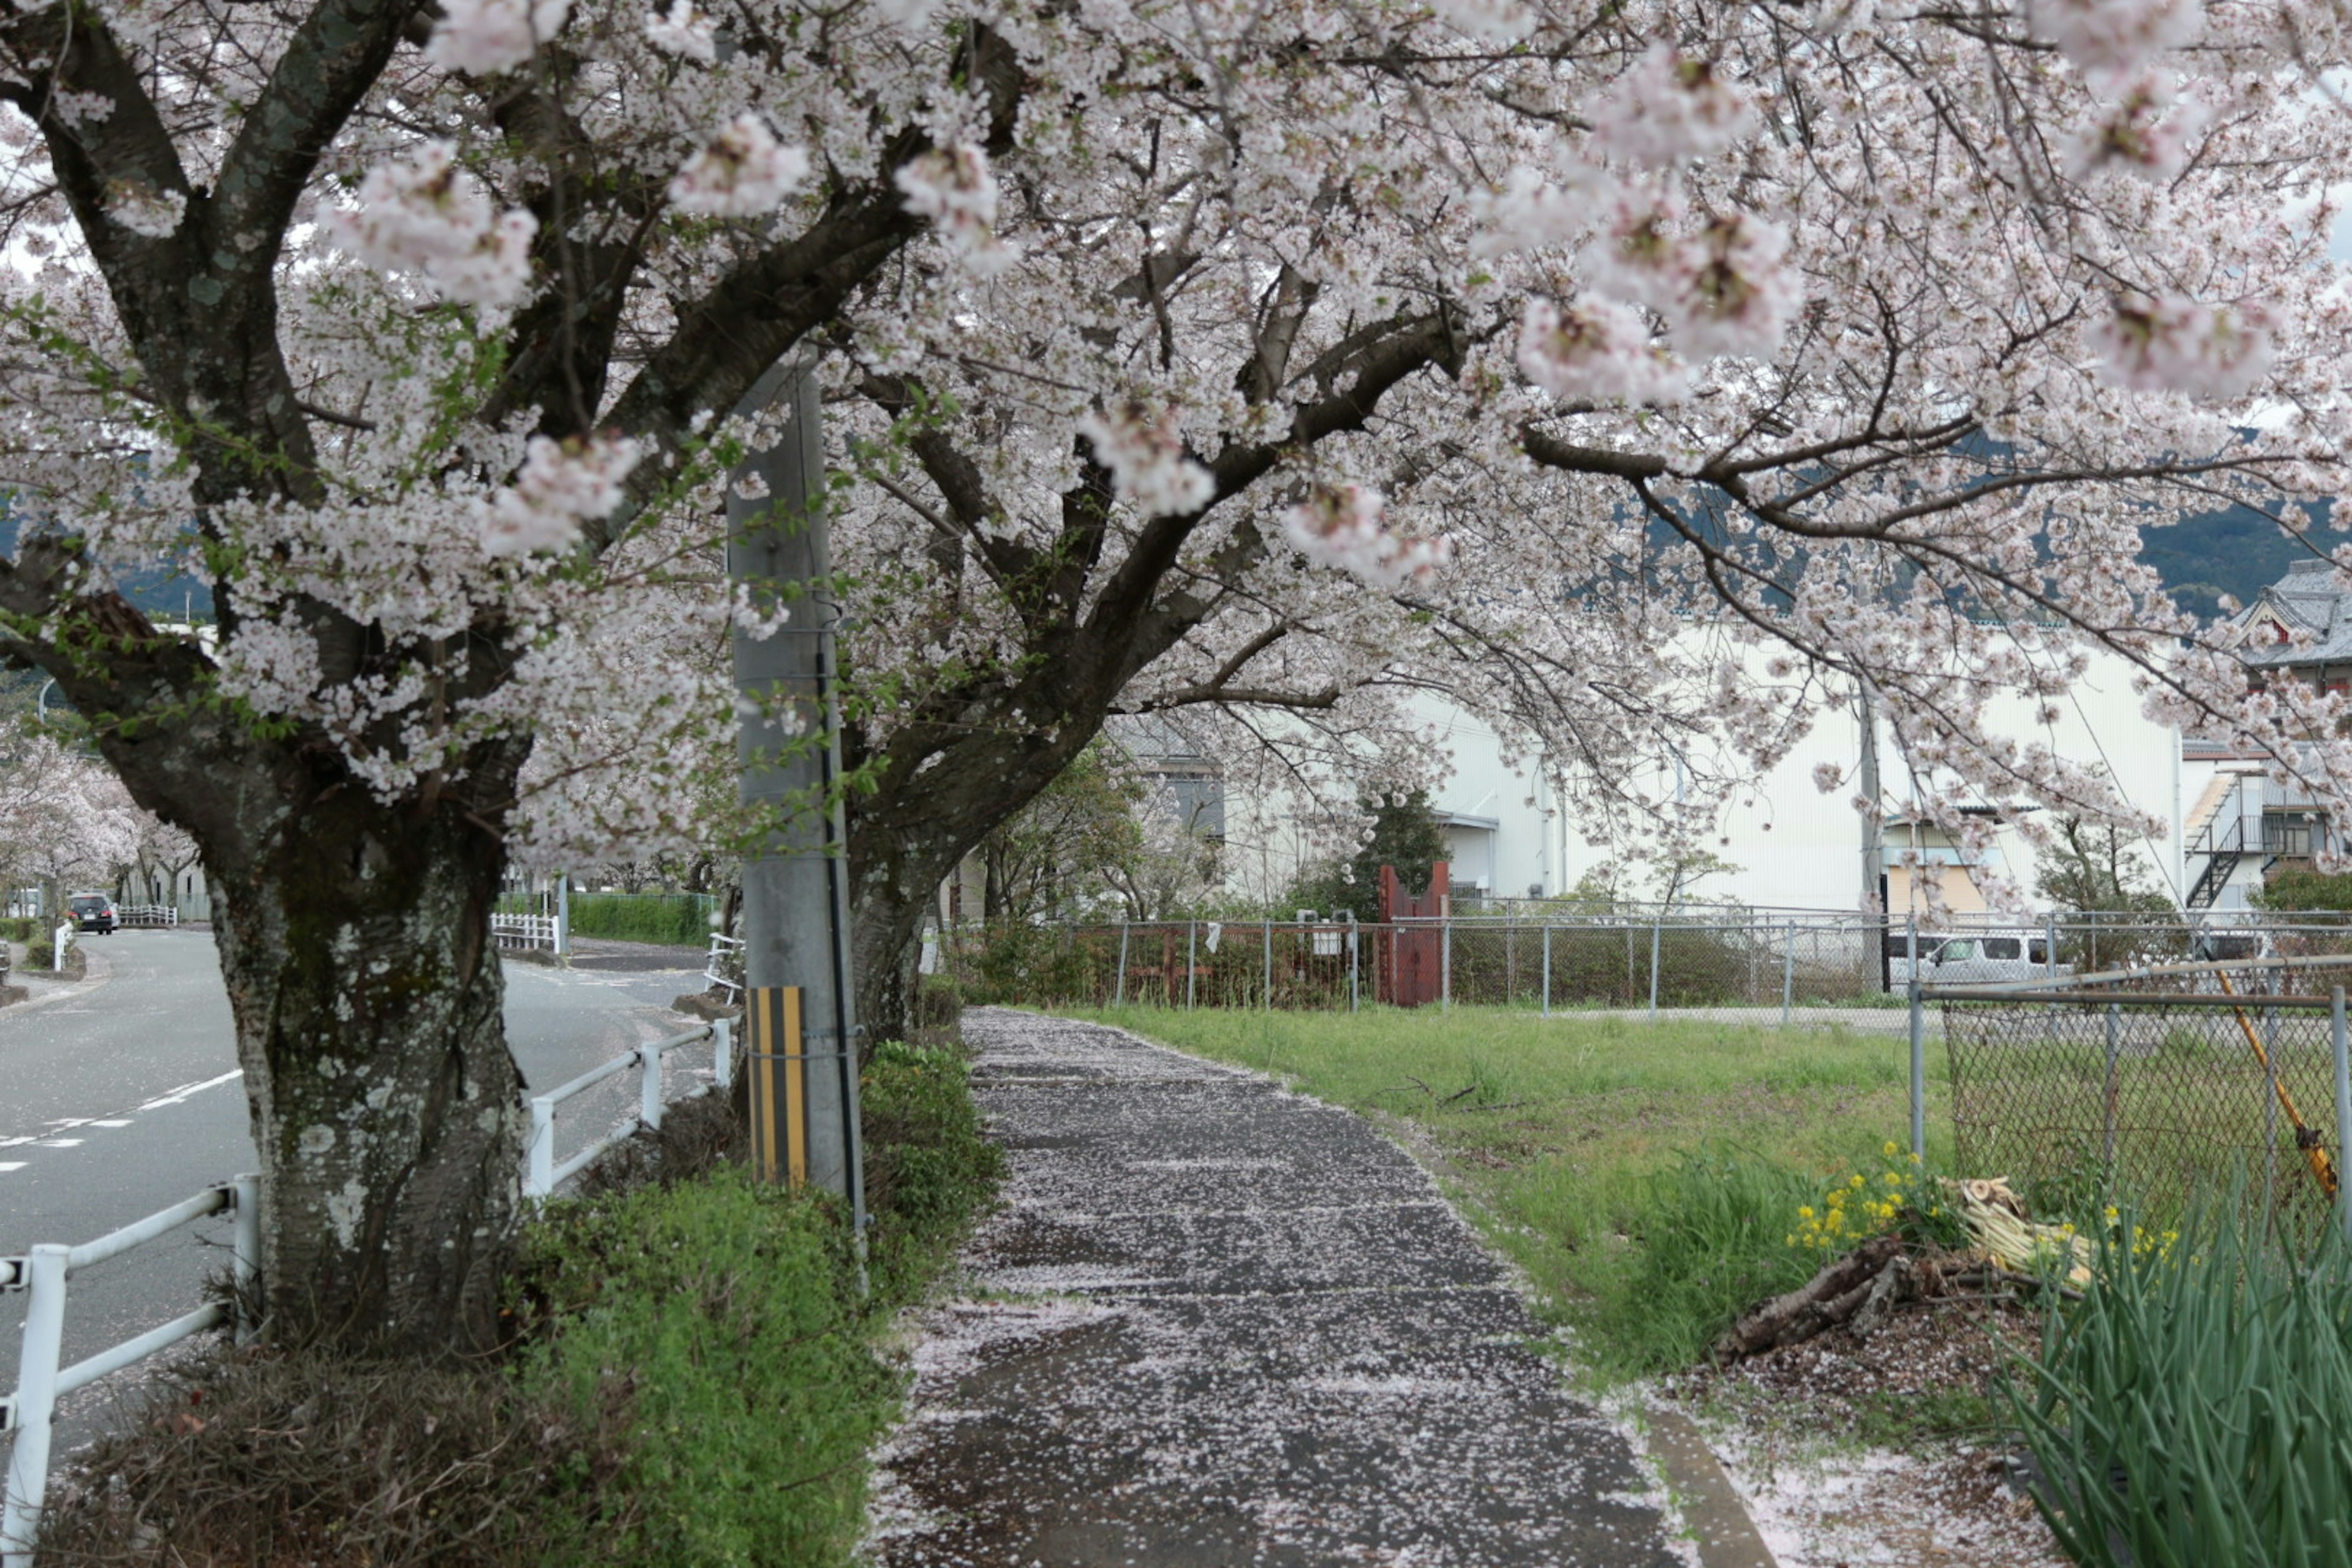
[[1220, 1323]]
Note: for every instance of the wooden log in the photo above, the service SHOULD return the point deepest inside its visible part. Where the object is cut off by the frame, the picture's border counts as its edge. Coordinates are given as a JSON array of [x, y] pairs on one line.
[[1830, 1297]]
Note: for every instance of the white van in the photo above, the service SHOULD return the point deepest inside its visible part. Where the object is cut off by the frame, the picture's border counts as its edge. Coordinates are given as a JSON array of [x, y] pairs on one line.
[[1970, 958]]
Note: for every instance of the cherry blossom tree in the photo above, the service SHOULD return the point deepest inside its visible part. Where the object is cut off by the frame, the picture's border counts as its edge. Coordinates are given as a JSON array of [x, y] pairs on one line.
[[1265, 359]]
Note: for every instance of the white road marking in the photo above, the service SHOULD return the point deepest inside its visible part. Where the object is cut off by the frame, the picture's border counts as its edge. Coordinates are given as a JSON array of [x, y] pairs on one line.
[[59, 1143], [174, 1095], [110, 1124], [8, 1166]]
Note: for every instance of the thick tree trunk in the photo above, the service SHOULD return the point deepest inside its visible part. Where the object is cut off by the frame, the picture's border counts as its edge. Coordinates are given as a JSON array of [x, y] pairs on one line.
[[367, 998]]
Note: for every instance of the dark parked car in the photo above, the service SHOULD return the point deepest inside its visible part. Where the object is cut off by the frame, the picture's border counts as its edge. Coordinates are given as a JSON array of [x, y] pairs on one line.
[[93, 911]]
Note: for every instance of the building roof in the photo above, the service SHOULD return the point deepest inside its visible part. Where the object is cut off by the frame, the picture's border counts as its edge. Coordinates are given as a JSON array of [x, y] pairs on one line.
[[2305, 604]]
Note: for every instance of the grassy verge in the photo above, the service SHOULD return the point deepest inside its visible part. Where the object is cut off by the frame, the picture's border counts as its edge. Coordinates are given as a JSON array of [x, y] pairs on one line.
[[1646, 1177], [695, 1381]]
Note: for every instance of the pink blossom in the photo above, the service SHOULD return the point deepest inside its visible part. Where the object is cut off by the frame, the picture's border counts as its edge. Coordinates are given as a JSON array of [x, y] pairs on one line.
[[1827, 776], [2115, 35], [561, 485], [1669, 108], [144, 209], [426, 215], [685, 29], [2137, 135], [954, 188], [1144, 451], [744, 172], [1346, 526], [1499, 21], [1595, 349], [2175, 344], [482, 37], [1734, 290]]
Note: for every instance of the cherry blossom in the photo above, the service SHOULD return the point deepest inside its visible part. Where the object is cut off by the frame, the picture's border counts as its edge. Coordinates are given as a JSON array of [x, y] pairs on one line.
[[685, 29], [743, 173], [1670, 108], [2144, 133], [1144, 451], [2115, 35], [561, 485], [2176, 343], [955, 188], [143, 209], [485, 37], [1346, 526], [424, 213], [1595, 349]]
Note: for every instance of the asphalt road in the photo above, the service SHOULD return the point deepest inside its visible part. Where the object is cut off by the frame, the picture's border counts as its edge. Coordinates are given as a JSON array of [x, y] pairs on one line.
[[121, 1095]]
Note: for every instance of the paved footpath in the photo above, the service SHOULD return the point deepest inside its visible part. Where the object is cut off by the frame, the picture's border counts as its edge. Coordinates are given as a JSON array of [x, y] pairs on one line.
[[1219, 1323]]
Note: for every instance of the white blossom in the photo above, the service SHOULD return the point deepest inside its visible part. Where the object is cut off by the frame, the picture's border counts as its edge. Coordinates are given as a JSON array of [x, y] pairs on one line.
[[1144, 451], [561, 485], [956, 190], [1346, 526], [1733, 291], [144, 209], [2175, 344], [424, 213], [743, 173], [1669, 108], [482, 37], [1595, 349], [2115, 35], [1499, 21], [1828, 776], [2142, 132], [684, 29]]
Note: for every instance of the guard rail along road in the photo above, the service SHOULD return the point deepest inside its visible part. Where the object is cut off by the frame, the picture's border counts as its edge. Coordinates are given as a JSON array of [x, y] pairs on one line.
[[43, 1272]]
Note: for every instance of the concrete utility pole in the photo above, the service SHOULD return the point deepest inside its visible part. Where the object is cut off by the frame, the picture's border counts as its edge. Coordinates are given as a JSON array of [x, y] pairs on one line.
[[798, 998], [1873, 852]]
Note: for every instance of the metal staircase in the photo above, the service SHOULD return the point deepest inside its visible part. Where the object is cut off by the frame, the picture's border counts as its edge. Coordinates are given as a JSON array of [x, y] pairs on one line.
[[2217, 831]]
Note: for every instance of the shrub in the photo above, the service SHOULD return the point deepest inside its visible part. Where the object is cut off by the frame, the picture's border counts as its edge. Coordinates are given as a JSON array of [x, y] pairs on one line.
[[40, 950], [2190, 1408], [928, 1167], [938, 1001], [18, 928], [676, 919]]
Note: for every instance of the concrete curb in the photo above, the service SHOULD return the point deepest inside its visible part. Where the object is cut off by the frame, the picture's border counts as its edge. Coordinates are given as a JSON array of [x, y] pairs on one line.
[[98, 971], [1725, 1537]]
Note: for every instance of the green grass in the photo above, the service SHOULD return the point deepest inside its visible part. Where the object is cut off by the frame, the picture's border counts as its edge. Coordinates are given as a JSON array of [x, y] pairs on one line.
[[1644, 1176], [680, 920]]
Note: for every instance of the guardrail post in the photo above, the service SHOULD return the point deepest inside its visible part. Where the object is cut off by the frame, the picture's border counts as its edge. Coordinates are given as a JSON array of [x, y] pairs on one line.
[[1118, 990], [1789, 976], [246, 1269], [539, 1172], [36, 1403], [1191, 959], [722, 1054], [2342, 1040], [1919, 1066], [649, 1088]]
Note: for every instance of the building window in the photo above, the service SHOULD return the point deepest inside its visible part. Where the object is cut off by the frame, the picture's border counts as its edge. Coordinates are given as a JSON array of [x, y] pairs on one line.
[[2296, 835]]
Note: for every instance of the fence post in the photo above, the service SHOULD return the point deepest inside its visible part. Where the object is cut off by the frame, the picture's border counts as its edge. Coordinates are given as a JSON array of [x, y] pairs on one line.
[[722, 1053], [1119, 992], [539, 1175], [1789, 976], [1446, 965], [246, 1267], [2342, 1040], [2115, 1049], [1268, 928], [1657, 925], [1352, 961], [649, 1088], [1191, 959], [2050, 947], [36, 1403], [564, 916], [1547, 971], [1919, 1062]]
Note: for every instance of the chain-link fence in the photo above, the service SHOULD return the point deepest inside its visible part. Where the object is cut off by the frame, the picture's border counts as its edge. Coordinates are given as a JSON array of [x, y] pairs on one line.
[[1786, 970], [2156, 1086]]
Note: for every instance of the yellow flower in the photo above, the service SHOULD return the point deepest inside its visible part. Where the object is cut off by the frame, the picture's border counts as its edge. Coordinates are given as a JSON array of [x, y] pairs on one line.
[[1889, 1149], [1857, 1181], [1790, 1240], [2113, 1213], [1806, 1212]]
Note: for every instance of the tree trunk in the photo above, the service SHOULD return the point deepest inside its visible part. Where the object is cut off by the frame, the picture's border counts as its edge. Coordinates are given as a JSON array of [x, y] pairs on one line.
[[367, 997]]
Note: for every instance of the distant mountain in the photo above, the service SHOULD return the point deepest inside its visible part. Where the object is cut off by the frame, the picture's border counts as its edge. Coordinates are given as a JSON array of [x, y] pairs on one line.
[[2238, 553], [164, 593]]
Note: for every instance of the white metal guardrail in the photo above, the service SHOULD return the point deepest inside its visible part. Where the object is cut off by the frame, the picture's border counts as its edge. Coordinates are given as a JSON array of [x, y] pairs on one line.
[[541, 1175], [725, 965], [42, 1273], [524, 930], [160, 915]]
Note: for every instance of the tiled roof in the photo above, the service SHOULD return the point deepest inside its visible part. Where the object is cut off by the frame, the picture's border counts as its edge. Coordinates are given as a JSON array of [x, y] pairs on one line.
[[2306, 601]]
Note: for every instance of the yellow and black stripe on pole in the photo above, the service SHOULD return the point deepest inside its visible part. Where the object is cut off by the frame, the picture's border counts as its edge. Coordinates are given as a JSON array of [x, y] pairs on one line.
[[778, 1052]]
